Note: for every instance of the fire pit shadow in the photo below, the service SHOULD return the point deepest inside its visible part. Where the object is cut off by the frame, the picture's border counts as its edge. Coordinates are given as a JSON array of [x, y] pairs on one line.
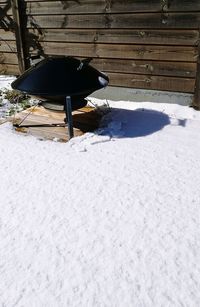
[[123, 123]]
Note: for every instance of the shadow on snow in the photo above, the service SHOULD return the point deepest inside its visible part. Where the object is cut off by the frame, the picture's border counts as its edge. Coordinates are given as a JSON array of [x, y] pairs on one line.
[[124, 123]]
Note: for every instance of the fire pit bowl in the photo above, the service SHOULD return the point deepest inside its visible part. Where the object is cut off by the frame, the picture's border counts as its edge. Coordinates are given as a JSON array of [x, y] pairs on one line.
[[54, 78], [63, 80]]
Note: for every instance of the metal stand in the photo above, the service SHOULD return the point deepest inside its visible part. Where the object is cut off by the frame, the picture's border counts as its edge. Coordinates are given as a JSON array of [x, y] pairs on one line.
[[68, 111]]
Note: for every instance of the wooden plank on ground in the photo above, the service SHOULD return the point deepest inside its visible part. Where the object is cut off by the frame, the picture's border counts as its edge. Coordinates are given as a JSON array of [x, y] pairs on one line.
[[120, 21], [50, 133], [84, 120]]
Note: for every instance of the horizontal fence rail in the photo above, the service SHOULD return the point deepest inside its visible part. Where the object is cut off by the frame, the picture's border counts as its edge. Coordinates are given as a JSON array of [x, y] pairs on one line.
[[139, 44]]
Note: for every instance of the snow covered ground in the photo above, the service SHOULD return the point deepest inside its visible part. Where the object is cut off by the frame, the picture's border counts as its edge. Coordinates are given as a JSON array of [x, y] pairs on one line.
[[109, 219]]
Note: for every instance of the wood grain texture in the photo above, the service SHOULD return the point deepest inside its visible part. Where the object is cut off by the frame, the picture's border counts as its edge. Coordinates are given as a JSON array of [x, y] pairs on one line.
[[152, 82], [106, 6], [117, 36], [8, 46], [138, 52], [176, 69], [120, 21], [84, 120], [6, 35], [8, 58], [7, 69]]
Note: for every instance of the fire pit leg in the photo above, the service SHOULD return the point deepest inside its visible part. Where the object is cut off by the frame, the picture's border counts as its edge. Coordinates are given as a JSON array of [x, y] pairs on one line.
[[68, 111]]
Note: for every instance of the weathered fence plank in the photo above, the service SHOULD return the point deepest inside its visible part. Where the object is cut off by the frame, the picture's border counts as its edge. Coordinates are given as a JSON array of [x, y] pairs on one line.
[[152, 82], [8, 46], [103, 6], [8, 58], [8, 69], [6, 35], [174, 69], [116, 36], [140, 52], [121, 21]]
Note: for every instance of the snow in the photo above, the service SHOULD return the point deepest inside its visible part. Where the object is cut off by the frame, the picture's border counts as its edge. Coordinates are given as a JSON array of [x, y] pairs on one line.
[[110, 218]]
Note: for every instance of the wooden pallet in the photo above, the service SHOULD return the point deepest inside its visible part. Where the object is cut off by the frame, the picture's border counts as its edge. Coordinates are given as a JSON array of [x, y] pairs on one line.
[[84, 120]]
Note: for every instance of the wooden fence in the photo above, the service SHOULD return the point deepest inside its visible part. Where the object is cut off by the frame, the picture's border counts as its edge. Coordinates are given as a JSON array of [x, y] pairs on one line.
[[148, 44]]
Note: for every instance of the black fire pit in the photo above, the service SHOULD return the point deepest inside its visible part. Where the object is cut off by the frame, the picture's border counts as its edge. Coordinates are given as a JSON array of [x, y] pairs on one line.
[[62, 80]]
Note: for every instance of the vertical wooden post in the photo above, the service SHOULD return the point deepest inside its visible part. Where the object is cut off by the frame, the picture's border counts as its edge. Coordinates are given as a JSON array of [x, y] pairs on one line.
[[17, 17], [196, 98]]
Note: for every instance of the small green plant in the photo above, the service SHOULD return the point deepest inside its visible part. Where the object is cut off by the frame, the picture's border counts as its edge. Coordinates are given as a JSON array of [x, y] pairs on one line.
[[14, 96], [24, 104], [11, 111], [17, 101]]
